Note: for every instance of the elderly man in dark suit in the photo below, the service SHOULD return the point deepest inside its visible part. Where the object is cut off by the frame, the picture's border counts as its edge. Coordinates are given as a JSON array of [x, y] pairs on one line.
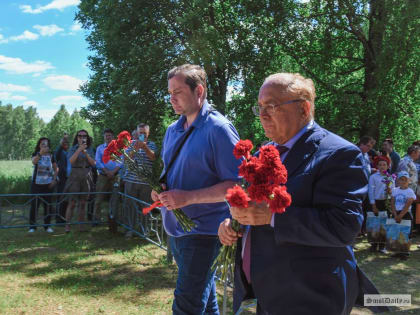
[[301, 261]]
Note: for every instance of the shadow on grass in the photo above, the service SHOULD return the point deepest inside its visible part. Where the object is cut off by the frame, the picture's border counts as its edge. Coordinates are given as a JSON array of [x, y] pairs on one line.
[[118, 276], [392, 275], [93, 264]]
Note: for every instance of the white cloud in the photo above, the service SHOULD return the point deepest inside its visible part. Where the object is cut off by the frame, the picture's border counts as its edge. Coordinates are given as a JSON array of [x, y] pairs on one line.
[[46, 114], [30, 103], [76, 27], [53, 5], [18, 66], [14, 88], [44, 30], [67, 100], [3, 40], [26, 35], [18, 98], [10, 97], [48, 30], [5, 95], [62, 82]]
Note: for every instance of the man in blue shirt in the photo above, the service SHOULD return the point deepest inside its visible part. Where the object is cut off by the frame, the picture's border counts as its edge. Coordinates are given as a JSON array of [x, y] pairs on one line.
[[107, 172], [196, 182]]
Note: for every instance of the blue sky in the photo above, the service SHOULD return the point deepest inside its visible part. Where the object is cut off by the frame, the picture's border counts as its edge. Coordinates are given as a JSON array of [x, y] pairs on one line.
[[43, 55]]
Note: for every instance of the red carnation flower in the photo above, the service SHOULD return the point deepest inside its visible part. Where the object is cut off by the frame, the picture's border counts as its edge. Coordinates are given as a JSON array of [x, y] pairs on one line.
[[275, 173], [123, 140], [243, 148], [106, 156], [279, 200], [237, 197], [249, 169], [113, 147], [260, 192], [269, 154]]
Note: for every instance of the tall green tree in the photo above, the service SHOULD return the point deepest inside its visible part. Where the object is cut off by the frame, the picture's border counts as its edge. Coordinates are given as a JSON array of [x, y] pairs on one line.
[[19, 130], [361, 55], [58, 126]]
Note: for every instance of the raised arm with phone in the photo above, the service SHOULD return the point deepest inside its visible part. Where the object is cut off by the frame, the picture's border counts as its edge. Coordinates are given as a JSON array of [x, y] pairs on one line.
[[82, 159]]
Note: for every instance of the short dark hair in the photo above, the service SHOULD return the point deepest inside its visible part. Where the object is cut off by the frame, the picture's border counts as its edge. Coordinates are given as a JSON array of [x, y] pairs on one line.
[[108, 130], [412, 148], [193, 74], [143, 125], [389, 140], [366, 140]]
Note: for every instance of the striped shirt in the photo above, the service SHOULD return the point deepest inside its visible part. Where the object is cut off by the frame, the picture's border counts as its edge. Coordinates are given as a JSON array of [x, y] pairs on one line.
[[141, 159]]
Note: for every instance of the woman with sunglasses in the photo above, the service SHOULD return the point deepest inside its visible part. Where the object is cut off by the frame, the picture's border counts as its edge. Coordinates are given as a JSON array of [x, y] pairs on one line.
[[82, 159]]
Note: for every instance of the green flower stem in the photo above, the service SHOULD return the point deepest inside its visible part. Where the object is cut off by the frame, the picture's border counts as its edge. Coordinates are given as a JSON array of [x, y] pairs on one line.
[[184, 221], [226, 258]]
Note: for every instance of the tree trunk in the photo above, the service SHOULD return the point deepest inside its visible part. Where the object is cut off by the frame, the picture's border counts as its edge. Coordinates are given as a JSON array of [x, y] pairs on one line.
[[371, 119]]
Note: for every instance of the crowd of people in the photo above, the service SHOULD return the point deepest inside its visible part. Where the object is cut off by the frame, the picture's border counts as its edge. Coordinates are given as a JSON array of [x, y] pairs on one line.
[[301, 261], [394, 179], [80, 170]]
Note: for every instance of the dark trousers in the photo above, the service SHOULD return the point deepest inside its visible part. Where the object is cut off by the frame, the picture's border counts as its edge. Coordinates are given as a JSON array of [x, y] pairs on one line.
[[60, 216], [45, 200], [365, 208], [195, 291], [415, 227]]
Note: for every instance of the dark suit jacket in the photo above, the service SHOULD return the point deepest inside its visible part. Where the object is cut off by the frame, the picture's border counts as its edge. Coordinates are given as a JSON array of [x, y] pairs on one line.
[[305, 265]]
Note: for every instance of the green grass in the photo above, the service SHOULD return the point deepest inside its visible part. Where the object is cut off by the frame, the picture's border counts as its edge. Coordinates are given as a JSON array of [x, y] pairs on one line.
[[15, 176], [82, 273], [100, 273]]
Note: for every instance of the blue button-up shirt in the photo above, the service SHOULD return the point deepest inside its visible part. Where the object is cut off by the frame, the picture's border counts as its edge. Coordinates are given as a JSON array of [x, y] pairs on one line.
[[206, 159]]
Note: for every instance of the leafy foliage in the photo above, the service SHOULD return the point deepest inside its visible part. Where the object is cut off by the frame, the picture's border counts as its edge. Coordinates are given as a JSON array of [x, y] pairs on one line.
[[21, 128], [361, 55]]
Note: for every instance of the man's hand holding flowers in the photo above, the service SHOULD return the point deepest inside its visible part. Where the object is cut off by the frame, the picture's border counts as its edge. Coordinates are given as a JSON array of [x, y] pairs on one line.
[[227, 235], [257, 213], [174, 199]]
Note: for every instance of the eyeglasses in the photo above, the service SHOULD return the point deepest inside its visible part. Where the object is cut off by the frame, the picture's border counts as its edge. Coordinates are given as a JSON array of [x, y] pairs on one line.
[[270, 108], [82, 136]]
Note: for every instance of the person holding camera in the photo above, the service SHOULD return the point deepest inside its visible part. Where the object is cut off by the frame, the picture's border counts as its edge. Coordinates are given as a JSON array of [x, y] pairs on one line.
[[44, 178], [135, 186], [82, 159]]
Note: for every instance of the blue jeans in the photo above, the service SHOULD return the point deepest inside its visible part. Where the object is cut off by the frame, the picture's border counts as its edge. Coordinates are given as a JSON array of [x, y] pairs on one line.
[[195, 291]]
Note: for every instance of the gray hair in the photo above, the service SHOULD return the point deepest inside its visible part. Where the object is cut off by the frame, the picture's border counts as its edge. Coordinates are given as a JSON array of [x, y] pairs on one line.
[[296, 84]]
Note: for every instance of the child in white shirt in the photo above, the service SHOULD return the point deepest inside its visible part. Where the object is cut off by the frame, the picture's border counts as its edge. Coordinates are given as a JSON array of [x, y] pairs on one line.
[[401, 200]]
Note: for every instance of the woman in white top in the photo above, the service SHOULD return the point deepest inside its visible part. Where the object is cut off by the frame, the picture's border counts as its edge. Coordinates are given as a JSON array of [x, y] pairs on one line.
[[44, 179]]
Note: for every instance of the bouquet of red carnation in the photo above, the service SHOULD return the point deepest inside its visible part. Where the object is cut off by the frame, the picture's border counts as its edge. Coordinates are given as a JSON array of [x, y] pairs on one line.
[[264, 179], [116, 151]]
